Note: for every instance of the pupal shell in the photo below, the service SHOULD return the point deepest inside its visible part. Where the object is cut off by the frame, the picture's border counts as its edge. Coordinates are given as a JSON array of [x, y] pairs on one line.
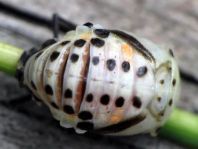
[[106, 81]]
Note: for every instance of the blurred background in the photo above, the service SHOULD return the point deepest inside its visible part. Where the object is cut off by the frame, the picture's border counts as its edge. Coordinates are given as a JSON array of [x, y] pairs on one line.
[[173, 23]]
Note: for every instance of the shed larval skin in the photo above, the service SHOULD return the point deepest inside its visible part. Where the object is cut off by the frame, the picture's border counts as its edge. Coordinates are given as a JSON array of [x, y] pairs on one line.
[[105, 81]]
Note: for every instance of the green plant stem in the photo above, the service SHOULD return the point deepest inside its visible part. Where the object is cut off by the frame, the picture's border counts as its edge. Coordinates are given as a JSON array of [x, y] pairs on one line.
[[9, 57], [182, 127]]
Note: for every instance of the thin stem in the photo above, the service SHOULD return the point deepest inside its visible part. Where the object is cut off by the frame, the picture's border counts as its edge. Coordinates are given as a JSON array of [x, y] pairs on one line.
[[182, 127], [9, 57]]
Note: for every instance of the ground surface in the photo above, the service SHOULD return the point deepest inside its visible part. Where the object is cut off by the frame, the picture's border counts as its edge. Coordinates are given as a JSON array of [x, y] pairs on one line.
[[171, 22]]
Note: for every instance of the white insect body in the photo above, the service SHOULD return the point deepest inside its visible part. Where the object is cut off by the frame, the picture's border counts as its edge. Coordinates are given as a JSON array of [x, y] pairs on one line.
[[106, 81]]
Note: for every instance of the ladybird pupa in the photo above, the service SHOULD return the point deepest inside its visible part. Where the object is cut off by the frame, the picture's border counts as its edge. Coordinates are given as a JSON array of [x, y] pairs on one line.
[[105, 81]]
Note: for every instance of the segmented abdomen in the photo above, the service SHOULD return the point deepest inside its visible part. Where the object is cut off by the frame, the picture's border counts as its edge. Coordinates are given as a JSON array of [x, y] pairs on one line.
[[94, 79]]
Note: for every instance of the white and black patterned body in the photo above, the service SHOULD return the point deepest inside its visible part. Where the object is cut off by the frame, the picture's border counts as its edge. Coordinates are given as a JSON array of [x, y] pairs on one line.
[[105, 81]]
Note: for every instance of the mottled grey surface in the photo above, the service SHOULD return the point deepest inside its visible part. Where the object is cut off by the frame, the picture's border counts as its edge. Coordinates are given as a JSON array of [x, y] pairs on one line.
[[23, 124]]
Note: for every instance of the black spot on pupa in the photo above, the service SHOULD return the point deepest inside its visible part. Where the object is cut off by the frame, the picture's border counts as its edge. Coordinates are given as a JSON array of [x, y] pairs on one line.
[[169, 69], [97, 42], [85, 125], [64, 42], [125, 66], [68, 109], [88, 24], [54, 55], [53, 104], [79, 43], [85, 115], [159, 99], [68, 93], [89, 98], [33, 85], [47, 43], [119, 102], [74, 57], [111, 63], [170, 102], [137, 102], [48, 90], [95, 60], [105, 99], [141, 71], [102, 33], [171, 52], [174, 82], [161, 81], [161, 113]]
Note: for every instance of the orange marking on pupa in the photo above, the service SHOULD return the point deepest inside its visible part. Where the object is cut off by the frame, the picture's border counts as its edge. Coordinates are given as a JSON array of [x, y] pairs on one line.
[[127, 51], [85, 36], [117, 116], [70, 118]]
